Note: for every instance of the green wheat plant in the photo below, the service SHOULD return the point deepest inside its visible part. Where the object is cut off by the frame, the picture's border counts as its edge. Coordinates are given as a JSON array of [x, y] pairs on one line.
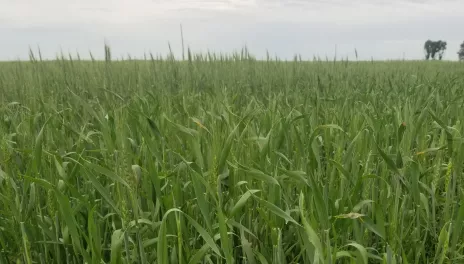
[[223, 158]]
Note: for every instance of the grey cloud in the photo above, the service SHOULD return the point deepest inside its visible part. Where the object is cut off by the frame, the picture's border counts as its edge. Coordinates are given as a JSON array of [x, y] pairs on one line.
[[380, 28]]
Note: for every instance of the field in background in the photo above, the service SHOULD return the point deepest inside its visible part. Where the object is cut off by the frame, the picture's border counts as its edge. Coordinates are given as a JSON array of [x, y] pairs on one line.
[[231, 160]]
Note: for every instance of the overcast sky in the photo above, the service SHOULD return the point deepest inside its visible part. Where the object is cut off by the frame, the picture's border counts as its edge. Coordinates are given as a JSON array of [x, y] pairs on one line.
[[382, 29]]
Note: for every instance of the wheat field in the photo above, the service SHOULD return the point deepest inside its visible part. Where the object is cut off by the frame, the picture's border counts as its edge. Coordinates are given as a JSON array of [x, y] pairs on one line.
[[223, 158]]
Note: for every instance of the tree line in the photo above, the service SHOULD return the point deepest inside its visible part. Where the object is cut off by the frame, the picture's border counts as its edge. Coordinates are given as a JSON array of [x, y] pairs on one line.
[[436, 49]]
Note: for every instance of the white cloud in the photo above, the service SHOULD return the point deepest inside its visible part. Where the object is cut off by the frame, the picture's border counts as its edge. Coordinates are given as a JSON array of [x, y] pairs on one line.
[[117, 12]]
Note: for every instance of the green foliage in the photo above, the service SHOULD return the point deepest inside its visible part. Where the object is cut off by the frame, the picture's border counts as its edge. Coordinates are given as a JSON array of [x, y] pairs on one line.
[[226, 159], [434, 48], [461, 52]]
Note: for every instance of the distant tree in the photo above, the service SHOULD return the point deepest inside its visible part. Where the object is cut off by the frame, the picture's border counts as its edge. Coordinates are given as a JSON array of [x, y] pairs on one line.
[[434, 48], [441, 49], [428, 49], [461, 52]]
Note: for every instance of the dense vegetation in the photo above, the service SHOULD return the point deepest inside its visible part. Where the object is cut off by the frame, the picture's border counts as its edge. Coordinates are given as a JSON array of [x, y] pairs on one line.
[[225, 159]]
